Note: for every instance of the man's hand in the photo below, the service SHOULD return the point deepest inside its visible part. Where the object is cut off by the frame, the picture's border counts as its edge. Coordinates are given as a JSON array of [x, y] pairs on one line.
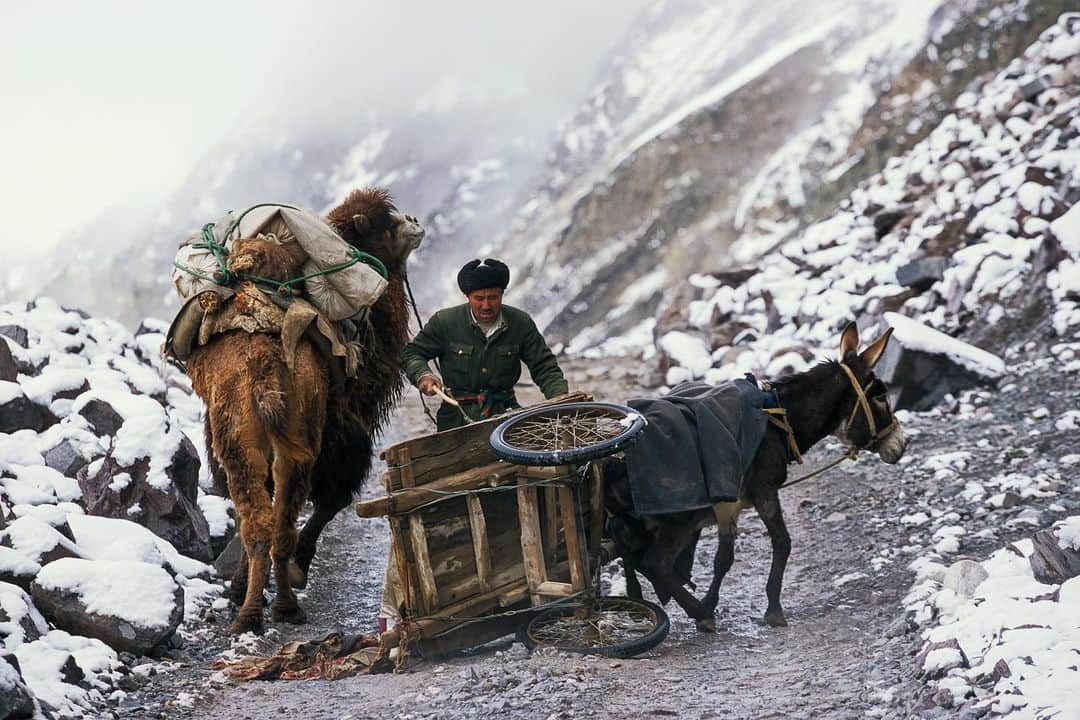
[[428, 383]]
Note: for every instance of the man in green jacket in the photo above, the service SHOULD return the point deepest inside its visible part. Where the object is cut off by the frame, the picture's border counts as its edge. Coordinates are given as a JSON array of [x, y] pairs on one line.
[[480, 346]]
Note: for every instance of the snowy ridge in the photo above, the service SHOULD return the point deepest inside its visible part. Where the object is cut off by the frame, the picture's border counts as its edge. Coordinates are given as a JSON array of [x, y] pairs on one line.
[[979, 192]]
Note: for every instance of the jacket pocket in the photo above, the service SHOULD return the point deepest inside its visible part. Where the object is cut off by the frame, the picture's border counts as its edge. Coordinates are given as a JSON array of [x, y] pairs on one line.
[[457, 359]]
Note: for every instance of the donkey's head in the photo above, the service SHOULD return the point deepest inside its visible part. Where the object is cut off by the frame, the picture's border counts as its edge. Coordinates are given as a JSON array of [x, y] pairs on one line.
[[368, 220], [867, 418]]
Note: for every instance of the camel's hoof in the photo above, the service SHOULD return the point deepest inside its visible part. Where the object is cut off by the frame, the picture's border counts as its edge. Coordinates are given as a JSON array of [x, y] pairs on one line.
[[776, 619], [292, 614], [245, 622], [297, 577], [706, 625]]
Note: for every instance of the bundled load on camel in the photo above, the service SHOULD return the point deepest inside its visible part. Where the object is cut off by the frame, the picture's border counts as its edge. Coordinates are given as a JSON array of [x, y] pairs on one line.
[[328, 300]]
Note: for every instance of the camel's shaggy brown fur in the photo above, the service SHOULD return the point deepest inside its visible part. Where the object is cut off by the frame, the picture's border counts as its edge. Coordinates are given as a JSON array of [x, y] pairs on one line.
[[280, 437]]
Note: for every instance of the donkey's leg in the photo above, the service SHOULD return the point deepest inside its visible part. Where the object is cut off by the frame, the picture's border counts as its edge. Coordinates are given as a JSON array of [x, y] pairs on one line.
[[767, 503], [633, 585], [658, 565], [292, 477], [726, 526]]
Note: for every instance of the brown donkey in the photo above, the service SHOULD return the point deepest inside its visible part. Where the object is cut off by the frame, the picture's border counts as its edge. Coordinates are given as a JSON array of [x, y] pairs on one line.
[[266, 424], [834, 398]]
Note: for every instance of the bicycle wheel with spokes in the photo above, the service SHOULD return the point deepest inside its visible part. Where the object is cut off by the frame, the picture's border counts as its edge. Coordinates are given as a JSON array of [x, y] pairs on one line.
[[566, 434], [610, 626]]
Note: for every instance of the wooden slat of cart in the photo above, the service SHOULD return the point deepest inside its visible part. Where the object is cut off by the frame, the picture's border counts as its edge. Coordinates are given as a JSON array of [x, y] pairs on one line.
[[575, 547], [478, 525], [532, 549]]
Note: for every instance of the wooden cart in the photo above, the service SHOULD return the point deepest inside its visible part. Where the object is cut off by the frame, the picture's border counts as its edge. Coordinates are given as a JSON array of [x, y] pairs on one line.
[[479, 546]]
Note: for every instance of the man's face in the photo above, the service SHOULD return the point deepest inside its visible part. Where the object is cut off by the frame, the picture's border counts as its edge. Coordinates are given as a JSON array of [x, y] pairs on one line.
[[486, 304]]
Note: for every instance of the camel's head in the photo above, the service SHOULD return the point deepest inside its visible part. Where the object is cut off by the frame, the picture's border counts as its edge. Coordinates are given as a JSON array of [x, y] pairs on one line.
[[368, 220]]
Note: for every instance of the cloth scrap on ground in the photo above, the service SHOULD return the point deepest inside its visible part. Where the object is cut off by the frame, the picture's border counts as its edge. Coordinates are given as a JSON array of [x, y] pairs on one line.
[[335, 656]]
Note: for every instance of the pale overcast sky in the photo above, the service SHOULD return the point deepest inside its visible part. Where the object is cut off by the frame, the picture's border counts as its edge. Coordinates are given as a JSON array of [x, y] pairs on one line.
[[110, 103]]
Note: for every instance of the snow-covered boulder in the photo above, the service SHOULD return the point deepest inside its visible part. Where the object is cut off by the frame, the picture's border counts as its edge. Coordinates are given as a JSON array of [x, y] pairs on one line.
[[963, 577], [129, 605], [922, 365], [18, 412], [20, 621], [166, 503], [38, 541], [15, 698], [69, 675]]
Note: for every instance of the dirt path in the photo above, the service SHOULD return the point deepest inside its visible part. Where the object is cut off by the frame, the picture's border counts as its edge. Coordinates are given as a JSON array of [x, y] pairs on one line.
[[846, 654]]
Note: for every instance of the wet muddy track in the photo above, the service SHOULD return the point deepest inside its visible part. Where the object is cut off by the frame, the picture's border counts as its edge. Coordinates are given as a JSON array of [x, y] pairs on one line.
[[847, 652]]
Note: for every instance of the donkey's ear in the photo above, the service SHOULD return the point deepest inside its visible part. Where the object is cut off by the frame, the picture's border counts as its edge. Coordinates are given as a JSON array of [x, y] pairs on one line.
[[872, 354], [849, 340], [361, 223]]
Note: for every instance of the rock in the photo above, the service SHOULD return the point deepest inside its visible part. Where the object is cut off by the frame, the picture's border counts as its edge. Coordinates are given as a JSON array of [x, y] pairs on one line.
[[922, 273], [885, 220], [899, 627], [102, 417], [21, 413], [17, 569], [38, 541], [937, 658], [1033, 88], [20, 621], [964, 576], [918, 379], [227, 562], [15, 700], [65, 459], [171, 513], [9, 369], [64, 590], [1050, 562], [16, 333]]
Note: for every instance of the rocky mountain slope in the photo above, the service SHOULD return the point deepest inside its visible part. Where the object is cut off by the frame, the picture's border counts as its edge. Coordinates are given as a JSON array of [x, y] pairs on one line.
[[779, 133]]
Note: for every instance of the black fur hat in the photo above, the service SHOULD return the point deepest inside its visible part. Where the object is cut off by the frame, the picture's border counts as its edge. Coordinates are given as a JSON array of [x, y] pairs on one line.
[[476, 275]]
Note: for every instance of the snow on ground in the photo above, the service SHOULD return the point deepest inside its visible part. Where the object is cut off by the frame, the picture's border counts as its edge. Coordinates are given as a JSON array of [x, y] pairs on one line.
[[87, 390], [998, 639]]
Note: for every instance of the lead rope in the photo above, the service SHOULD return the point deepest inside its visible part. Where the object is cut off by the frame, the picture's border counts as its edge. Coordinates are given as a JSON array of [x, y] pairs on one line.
[[419, 327]]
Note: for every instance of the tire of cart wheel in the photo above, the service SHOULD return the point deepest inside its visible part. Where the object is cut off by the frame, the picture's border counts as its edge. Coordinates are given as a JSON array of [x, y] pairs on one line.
[[621, 650], [573, 456]]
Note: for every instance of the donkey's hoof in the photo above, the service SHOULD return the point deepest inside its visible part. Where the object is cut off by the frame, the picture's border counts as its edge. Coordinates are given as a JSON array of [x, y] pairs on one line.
[[292, 614], [297, 577], [247, 622], [775, 619], [706, 625]]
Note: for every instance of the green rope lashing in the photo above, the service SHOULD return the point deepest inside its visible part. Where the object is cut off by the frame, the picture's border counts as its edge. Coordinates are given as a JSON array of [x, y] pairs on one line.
[[227, 279]]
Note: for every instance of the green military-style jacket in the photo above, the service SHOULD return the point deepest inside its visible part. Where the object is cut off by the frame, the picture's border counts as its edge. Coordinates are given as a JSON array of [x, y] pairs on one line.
[[472, 364]]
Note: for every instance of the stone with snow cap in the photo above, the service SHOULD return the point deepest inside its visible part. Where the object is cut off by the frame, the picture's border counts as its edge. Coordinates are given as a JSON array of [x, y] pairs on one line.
[[922, 365], [129, 605], [15, 699], [1055, 556], [9, 369], [167, 505], [18, 412]]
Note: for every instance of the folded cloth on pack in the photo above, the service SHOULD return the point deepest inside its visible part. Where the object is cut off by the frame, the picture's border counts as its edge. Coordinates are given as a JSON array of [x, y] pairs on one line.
[[337, 284], [699, 442]]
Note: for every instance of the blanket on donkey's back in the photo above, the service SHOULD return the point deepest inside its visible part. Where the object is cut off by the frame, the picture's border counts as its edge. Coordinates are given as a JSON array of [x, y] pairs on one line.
[[698, 444]]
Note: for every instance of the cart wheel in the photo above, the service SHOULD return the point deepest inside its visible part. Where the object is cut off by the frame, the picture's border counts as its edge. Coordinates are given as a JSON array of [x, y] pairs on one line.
[[612, 626], [566, 434]]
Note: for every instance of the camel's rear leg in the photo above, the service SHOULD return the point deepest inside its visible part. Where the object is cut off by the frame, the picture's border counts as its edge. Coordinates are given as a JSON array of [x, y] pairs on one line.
[[292, 482], [245, 464]]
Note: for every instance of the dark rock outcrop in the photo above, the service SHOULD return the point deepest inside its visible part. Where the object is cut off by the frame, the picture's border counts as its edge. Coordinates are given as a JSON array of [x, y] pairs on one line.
[[171, 512], [1051, 563]]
